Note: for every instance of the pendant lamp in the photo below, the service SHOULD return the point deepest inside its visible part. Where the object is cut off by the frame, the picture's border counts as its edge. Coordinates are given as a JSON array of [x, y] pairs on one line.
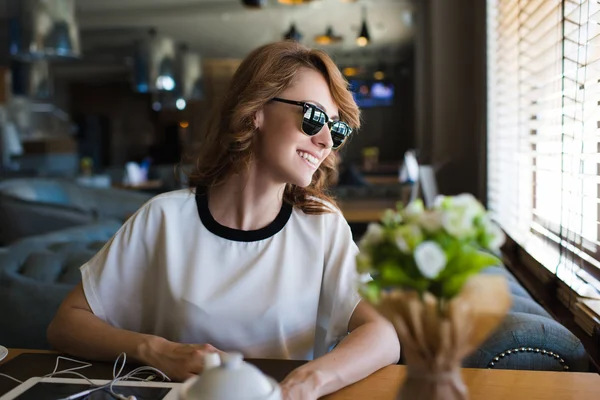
[[254, 3], [293, 34], [328, 38], [364, 38], [154, 64], [41, 29]]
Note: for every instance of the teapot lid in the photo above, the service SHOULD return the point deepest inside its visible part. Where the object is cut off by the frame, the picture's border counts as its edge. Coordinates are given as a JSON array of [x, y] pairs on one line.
[[232, 379]]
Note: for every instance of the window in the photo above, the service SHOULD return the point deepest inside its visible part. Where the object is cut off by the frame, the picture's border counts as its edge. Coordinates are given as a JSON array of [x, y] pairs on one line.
[[544, 132]]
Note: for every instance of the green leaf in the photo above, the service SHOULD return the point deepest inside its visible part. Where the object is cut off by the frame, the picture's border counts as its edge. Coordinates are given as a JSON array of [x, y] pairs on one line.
[[400, 276], [466, 264], [399, 206], [371, 291], [483, 260], [452, 286], [395, 275], [391, 219]]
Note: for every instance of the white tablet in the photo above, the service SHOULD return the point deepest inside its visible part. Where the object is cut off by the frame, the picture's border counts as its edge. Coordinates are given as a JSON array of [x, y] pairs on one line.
[[61, 388]]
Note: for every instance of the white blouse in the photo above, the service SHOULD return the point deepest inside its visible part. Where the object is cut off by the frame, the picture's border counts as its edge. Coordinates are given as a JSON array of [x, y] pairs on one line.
[[284, 291]]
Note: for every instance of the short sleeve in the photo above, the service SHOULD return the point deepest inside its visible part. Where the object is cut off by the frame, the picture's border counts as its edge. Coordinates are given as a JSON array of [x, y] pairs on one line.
[[118, 281], [339, 290]]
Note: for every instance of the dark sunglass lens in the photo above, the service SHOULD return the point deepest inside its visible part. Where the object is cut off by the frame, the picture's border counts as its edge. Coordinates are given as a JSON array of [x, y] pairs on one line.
[[339, 132], [337, 141], [313, 121]]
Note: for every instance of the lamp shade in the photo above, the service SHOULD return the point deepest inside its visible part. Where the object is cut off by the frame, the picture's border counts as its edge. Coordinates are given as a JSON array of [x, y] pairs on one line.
[[43, 29], [328, 38], [254, 3], [154, 64], [189, 75], [363, 38], [293, 34]]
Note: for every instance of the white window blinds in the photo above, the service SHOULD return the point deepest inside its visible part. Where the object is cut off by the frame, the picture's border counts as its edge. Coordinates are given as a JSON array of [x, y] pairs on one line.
[[544, 130]]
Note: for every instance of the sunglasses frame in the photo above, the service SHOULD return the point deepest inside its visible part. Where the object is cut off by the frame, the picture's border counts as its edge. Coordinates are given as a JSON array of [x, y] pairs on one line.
[[305, 106]]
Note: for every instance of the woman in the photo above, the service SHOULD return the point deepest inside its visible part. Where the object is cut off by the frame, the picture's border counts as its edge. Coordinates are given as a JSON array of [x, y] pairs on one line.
[[255, 258]]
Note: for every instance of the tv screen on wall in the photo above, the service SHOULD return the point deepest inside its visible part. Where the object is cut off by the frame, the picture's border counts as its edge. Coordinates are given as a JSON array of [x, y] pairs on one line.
[[372, 93]]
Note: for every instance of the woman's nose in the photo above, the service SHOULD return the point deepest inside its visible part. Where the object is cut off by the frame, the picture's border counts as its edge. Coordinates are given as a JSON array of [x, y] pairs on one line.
[[323, 138]]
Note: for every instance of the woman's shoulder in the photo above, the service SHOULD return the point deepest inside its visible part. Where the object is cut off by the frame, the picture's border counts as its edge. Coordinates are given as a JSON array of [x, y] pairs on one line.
[[173, 200], [173, 197], [330, 212]]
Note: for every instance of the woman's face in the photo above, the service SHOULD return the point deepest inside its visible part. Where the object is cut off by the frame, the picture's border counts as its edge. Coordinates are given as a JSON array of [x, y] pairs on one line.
[[283, 151]]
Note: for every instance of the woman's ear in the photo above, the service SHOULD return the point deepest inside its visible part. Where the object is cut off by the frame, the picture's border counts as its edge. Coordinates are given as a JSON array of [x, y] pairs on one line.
[[259, 118]]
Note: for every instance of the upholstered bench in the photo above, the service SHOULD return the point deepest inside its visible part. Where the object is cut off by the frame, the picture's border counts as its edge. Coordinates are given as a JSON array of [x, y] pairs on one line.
[[529, 338], [37, 273], [33, 206]]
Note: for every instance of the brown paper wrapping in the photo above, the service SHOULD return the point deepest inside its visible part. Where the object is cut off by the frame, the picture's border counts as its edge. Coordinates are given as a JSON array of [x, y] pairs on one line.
[[435, 338]]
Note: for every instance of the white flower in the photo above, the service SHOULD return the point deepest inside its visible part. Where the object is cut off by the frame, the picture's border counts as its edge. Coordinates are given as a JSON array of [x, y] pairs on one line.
[[430, 259], [372, 236], [459, 214], [465, 200], [402, 244], [431, 221], [459, 223], [408, 237], [439, 201], [494, 236], [498, 238], [413, 210]]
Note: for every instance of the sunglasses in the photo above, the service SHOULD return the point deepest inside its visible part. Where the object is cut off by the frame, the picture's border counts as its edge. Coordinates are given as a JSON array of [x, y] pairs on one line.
[[314, 119]]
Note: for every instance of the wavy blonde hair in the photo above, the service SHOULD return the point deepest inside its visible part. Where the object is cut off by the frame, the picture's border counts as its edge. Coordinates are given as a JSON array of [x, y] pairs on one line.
[[227, 147]]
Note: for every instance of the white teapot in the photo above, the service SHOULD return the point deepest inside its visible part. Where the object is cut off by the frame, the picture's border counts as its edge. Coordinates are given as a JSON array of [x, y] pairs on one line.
[[229, 377]]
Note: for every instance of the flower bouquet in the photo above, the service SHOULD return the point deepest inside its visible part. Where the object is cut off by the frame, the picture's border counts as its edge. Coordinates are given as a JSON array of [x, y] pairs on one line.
[[423, 266]]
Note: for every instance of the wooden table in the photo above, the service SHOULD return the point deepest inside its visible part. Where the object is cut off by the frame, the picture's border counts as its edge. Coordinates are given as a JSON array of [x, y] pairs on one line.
[[365, 211], [382, 179], [485, 384]]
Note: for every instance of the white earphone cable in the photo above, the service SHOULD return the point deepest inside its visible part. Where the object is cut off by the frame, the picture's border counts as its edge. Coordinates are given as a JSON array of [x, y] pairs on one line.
[[116, 376]]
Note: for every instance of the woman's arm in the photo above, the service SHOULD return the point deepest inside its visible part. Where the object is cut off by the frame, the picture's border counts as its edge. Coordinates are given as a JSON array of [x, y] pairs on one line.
[[371, 345], [77, 331]]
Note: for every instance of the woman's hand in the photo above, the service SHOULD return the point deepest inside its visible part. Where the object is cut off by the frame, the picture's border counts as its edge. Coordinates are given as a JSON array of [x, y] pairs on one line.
[[178, 361], [300, 385]]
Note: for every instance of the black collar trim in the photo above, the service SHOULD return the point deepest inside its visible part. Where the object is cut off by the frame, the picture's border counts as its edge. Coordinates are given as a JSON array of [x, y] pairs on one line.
[[236, 234]]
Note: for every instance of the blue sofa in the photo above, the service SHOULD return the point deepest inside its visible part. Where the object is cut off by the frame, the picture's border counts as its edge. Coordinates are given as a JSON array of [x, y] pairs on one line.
[[37, 273], [528, 338], [32, 206]]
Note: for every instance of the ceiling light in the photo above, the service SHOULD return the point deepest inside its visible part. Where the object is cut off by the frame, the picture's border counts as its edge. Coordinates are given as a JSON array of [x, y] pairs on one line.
[[189, 75], [154, 64], [350, 71], [293, 34], [165, 82], [184, 124], [363, 38], [328, 38], [180, 104]]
